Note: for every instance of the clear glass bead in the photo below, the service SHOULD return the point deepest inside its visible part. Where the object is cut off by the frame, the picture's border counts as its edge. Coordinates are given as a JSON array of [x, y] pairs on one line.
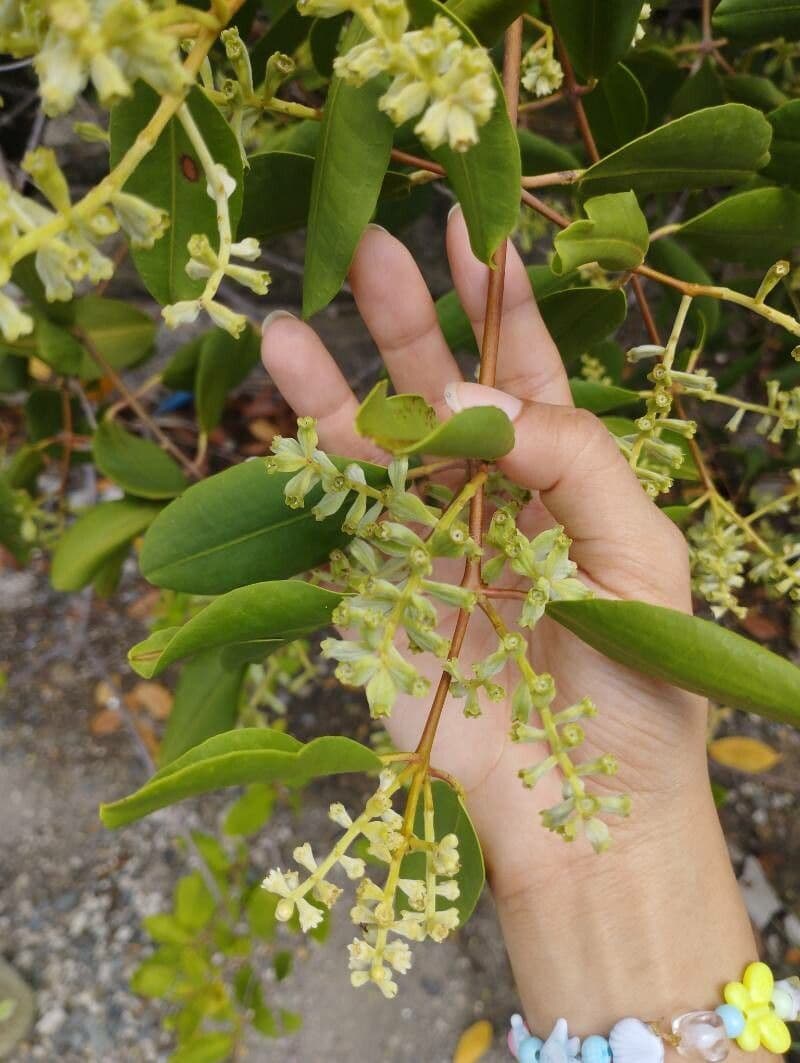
[[702, 1037]]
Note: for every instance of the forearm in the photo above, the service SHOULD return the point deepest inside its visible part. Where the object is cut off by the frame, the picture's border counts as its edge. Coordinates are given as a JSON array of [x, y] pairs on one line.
[[651, 931]]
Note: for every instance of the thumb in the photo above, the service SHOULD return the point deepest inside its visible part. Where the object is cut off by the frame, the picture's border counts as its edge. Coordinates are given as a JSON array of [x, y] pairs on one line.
[[621, 539]]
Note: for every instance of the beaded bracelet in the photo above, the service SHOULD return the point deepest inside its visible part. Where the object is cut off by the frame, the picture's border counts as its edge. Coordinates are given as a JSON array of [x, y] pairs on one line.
[[754, 1014]]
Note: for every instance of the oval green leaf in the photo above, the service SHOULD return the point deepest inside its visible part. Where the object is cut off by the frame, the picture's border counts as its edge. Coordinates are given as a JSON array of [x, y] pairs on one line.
[[137, 465], [757, 20], [451, 817], [616, 109], [235, 528], [756, 227], [487, 18], [206, 704], [235, 759], [264, 613], [596, 33], [784, 164], [353, 150], [97, 534], [600, 398], [170, 176], [688, 652], [716, 146], [407, 425], [581, 317], [614, 234]]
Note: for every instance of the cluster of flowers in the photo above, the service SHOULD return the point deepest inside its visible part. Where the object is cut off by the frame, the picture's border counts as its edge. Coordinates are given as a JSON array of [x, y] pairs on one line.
[[73, 255], [718, 558], [434, 73], [404, 909], [542, 73], [654, 458], [111, 43]]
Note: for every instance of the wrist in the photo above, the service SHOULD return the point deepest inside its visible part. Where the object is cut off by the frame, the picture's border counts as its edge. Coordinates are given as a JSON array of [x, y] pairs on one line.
[[651, 930]]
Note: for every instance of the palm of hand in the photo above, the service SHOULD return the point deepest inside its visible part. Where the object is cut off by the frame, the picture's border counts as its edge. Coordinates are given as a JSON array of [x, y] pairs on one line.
[[623, 545]]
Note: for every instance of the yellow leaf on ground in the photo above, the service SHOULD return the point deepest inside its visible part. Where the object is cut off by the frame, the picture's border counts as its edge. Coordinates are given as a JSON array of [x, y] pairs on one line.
[[743, 754], [474, 1043]]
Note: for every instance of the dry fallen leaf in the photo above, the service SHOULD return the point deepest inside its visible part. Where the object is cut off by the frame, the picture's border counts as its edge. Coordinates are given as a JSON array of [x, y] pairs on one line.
[[148, 737], [105, 722], [152, 698], [474, 1042], [743, 754]]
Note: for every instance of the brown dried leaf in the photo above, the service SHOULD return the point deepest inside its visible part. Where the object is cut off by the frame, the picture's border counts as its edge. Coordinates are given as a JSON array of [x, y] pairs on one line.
[[105, 722], [152, 698]]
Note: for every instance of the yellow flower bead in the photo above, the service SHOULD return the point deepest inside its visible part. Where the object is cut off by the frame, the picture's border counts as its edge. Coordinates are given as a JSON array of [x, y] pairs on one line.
[[753, 997]]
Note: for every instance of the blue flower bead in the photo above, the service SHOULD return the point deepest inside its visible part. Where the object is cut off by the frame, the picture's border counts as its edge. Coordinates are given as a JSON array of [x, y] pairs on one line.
[[732, 1018], [529, 1050], [595, 1049]]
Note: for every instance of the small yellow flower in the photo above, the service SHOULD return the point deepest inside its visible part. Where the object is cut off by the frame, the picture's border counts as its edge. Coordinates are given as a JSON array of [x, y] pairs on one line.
[[753, 997]]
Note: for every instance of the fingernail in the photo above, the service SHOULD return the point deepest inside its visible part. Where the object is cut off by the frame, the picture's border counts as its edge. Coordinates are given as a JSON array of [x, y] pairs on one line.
[[378, 228], [455, 207], [461, 395], [274, 316]]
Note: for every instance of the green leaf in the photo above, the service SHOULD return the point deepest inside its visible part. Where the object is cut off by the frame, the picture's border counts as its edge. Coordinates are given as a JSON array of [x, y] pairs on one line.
[[455, 324], [600, 398], [205, 1048], [138, 466], [717, 146], [755, 91], [153, 979], [784, 165], [756, 227], [234, 759], [287, 30], [541, 155], [194, 902], [282, 965], [235, 528], [616, 109], [353, 152], [277, 611], [596, 33], [57, 347], [323, 40], [166, 930], [486, 179], [694, 654], [170, 177], [703, 89], [668, 256], [11, 523], [253, 809], [224, 362], [757, 20], [179, 372], [206, 704], [581, 317], [122, 334], [614, 234], [260, 912], [406, 424], [659, 75], [277, 193], [97, 534], [487, 18], [451, 817]]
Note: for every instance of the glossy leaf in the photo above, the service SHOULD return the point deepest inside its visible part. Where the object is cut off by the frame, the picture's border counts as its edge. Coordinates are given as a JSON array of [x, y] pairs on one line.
[[784, 165], [121, 333], [717, 146], [596, 33], [170, 176], [487, 18], [278, 611], [223, 363], [235, 759], [659, 74], [137, 465], [277, 193], [406, 424], [688, 652], [702, 89], [600, 398], [614, 234], [756, 227], [235, 528], [581, 317], [355, 141], [97, 534], [206, 704], [757, 20], [616, 109], [755, 91], [450, 817], [486, 179], [541, 155], [323, 41]]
